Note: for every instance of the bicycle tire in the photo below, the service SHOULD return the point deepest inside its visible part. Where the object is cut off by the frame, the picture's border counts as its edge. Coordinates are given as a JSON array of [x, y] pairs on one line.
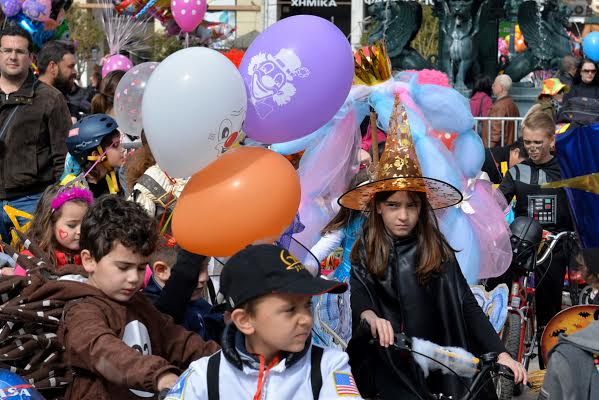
[[506, 388]]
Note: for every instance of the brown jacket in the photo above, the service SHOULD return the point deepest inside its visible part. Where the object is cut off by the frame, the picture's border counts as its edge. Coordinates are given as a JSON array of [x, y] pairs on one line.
[[34, 124], [503, 107], [115, 347]]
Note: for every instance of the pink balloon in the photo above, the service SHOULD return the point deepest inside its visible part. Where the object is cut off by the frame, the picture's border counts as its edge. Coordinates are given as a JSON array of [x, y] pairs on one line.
[[188, 13], [117, 62]]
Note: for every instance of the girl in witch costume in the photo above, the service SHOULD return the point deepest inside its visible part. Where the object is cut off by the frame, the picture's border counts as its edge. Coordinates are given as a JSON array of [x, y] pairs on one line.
[[95, 143], [405, 277]]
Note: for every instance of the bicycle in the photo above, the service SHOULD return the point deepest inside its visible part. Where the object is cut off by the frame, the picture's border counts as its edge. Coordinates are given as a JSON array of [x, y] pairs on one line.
[[520, 333], [486, 367]]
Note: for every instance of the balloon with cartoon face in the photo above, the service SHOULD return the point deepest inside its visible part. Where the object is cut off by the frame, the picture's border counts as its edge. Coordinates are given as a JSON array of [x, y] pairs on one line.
[[193, 105], [298, 73]]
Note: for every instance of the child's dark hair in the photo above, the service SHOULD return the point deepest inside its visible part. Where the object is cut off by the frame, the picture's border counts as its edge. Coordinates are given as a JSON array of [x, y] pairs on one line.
[[41, 231], [165, 252], [345, 215], [519, 144], [112, 219]]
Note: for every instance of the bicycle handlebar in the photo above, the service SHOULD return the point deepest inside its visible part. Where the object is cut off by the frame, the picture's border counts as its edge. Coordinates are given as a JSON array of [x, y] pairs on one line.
[[484, 364], [554, 239]]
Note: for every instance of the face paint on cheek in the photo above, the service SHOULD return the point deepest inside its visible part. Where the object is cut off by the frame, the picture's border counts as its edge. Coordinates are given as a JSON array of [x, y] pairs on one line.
[[62, 234]]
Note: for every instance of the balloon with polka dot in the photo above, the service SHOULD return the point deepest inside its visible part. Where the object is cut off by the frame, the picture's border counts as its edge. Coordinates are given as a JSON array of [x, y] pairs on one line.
[[117, 62], [188, 13]]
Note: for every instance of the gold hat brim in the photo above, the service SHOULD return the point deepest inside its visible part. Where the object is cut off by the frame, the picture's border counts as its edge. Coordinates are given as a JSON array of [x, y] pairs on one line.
[[439, 194]]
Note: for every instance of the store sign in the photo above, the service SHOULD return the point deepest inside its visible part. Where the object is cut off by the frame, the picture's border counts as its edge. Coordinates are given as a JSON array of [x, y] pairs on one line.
[[313, 3], [423, 2]]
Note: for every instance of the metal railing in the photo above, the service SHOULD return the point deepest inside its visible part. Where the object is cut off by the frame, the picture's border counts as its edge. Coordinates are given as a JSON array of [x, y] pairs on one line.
[[494, 120]]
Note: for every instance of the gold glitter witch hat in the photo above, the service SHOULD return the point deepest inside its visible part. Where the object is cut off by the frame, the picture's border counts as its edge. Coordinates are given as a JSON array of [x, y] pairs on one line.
[[399, 169]]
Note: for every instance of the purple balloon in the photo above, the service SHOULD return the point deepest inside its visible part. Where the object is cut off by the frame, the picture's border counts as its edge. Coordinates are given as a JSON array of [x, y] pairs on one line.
[[10, 8], [298, 74]]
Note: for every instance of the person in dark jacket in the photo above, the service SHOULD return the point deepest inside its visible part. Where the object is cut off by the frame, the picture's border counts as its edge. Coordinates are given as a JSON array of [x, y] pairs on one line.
[[198, 315], [548, 206], [568, 69], [34, 123], [511, 155], [481, 102], [405, 278], [586, 82]]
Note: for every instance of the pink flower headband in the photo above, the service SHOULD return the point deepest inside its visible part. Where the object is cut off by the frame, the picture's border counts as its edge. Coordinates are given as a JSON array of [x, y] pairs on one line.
[[72, 193]]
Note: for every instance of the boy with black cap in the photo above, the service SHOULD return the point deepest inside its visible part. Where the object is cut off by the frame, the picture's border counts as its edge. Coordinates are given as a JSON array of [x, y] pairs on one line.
[[267, 351]]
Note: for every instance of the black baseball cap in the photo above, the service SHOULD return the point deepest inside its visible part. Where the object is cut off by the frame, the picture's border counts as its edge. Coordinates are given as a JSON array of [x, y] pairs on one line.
[[264, 269]]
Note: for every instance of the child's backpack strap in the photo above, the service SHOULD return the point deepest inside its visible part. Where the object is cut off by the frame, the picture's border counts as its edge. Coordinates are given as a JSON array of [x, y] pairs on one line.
[[212, 376], [315, 373]]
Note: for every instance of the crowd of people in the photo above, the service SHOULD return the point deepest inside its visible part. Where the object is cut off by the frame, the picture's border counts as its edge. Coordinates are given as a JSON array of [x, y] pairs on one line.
[[141, 315]]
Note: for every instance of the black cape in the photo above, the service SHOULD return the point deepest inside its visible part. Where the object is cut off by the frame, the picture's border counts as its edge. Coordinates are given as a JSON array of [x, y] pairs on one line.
[[444, 311]]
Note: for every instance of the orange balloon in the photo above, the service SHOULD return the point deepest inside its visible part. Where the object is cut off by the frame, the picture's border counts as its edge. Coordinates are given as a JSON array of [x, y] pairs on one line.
[[248, 194]]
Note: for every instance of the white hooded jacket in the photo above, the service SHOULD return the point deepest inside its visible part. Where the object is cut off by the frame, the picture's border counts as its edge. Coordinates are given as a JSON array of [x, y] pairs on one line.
[[284, 381]]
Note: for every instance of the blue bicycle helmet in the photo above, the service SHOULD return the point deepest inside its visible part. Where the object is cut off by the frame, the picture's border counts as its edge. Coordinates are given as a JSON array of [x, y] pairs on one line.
[[87, 134]]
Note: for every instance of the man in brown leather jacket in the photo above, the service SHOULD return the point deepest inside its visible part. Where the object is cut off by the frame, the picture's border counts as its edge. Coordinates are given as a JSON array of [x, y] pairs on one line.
[[34, 123], [504, 106]]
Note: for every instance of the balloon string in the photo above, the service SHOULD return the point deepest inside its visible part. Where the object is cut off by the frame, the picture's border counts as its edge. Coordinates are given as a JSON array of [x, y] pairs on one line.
[[162, 225], [186, 39]]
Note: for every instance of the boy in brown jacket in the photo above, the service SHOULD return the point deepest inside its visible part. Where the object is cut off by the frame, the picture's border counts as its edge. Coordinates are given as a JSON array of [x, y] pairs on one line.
[[118, 344]]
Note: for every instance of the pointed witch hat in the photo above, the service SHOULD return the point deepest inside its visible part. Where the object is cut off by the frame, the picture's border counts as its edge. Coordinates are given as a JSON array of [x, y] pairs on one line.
[[399, 169]]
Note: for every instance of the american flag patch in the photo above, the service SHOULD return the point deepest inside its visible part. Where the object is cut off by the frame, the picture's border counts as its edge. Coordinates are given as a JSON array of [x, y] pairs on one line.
[[345, 384]]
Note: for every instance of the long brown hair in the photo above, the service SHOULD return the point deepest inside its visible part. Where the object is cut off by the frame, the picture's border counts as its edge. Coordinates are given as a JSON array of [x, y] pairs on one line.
[[103, 102], [346, 215], [41, 231], [138, 162], [433, 248]]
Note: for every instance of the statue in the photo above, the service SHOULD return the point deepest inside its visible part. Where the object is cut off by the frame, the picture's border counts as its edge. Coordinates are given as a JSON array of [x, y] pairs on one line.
[[398, 22], [458, 47], [543, 25]]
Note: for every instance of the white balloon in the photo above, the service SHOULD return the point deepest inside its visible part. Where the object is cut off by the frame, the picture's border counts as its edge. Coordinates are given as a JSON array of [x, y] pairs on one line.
[[193, 108]]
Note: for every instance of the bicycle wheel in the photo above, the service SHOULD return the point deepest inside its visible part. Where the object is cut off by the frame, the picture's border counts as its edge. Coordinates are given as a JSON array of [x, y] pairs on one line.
[[511, 339]]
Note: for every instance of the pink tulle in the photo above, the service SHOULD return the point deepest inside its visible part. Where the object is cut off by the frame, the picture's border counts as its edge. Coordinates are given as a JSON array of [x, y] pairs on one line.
[[431, 77], [491, 228], [326, 168]]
